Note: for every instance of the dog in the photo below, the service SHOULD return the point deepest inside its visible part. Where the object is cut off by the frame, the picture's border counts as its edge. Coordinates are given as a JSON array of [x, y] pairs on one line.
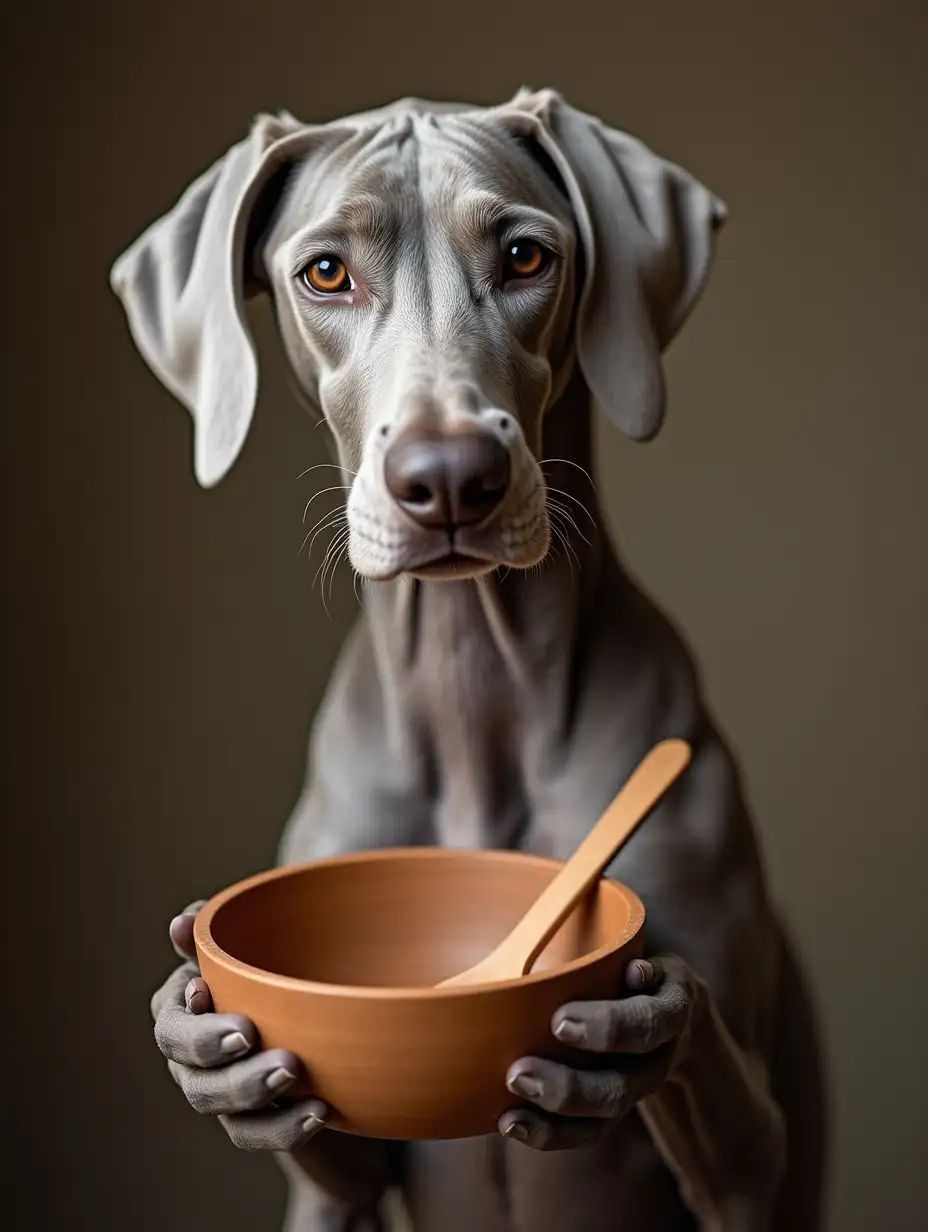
[[454, 286]]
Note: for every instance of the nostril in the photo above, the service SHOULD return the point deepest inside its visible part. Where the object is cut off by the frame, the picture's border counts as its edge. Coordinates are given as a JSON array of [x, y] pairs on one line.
[[415, 476], [475, 495], [479, 473], [496, 480], [484, 488]]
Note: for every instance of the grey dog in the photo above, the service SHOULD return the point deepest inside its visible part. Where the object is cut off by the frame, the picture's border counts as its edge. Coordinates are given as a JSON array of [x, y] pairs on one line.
[[454, 286]]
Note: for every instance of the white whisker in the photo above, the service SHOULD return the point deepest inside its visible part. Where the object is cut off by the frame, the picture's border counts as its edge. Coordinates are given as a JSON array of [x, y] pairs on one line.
[[356, 587], [561, 492], [336, 561], [336, 543], [334, 466], [567, 462], [565, 513], [556, 513], [338, 487], [565, 543], [334, 519]]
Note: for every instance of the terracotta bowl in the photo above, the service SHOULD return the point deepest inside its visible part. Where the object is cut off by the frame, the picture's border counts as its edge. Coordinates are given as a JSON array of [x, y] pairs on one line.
[[337, 961]]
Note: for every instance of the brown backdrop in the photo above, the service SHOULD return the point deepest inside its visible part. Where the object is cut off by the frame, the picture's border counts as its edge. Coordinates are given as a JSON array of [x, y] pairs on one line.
[[166, 650]]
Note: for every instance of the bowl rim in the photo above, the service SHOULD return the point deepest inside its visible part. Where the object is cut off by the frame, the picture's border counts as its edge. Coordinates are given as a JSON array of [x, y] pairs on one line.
[[206, 944]]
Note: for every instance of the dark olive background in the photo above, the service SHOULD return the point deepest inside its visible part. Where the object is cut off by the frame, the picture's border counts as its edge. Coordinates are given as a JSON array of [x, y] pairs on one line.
[[165, 648]]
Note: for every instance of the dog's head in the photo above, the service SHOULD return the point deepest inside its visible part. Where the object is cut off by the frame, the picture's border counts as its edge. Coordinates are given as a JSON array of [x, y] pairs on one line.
[[436, 272]]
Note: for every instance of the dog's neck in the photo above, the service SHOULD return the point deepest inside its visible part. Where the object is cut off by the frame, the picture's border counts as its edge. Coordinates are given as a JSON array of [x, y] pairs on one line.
[[482, 674]]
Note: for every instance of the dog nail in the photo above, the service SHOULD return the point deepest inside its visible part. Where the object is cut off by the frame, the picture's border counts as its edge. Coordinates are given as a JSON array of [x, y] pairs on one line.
[[199, 1002], [569, 1031], [526, 1086], [312, 1125], [233, 1044], [517, 1130], [645, 972], [277, 1079], [196, 999]]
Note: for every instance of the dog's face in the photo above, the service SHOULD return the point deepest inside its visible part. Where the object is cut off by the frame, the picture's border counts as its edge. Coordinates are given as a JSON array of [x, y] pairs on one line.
[[425, 298], [436, 272]]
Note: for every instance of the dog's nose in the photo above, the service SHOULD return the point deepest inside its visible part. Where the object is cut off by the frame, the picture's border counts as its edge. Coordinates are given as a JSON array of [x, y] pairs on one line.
[[447, 480]]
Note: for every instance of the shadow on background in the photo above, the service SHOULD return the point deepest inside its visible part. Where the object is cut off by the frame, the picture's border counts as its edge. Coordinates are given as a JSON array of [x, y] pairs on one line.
[[165, 648]]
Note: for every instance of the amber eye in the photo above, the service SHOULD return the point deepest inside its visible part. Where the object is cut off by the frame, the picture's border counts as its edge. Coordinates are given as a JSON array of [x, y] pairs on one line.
[[524, 259], [327, 276]]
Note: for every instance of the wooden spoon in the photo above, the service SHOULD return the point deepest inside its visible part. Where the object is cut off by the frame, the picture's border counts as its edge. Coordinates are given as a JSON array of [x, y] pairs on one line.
[[514, 956]]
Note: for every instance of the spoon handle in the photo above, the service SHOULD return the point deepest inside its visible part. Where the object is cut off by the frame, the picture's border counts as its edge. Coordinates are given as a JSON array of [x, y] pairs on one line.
[[651, 779]]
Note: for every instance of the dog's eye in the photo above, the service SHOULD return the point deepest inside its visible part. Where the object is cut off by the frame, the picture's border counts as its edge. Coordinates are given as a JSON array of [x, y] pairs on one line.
[[327, 276], [524, 259]]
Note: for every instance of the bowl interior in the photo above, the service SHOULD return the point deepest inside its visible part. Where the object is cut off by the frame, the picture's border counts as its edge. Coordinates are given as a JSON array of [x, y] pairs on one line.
[[403, 919]]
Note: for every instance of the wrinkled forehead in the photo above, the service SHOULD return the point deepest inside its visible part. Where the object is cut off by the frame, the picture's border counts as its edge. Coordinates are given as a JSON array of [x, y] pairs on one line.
[[408, 164]]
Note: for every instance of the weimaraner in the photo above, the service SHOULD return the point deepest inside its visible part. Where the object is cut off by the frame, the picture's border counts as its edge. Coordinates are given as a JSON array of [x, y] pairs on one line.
[[454, 286]]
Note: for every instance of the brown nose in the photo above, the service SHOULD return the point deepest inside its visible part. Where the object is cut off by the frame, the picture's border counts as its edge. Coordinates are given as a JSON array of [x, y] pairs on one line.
[[447, 480]]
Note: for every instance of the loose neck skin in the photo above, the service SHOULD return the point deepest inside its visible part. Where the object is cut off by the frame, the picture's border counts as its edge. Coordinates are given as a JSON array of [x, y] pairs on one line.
[[483, 671], [529, 616]]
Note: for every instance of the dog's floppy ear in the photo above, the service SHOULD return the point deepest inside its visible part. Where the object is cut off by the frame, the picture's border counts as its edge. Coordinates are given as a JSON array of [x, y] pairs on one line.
[[647, 229], [183, 285]]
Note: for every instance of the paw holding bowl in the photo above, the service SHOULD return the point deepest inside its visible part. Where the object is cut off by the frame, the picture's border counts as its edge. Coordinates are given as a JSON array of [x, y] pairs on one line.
[[337, 961]]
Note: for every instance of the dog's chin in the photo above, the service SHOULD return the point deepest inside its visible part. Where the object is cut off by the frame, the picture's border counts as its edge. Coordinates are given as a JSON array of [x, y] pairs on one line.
[[453, 568]]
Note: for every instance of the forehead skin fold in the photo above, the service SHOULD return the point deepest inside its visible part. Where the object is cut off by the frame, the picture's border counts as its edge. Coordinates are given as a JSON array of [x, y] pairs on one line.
[[414, 162]]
